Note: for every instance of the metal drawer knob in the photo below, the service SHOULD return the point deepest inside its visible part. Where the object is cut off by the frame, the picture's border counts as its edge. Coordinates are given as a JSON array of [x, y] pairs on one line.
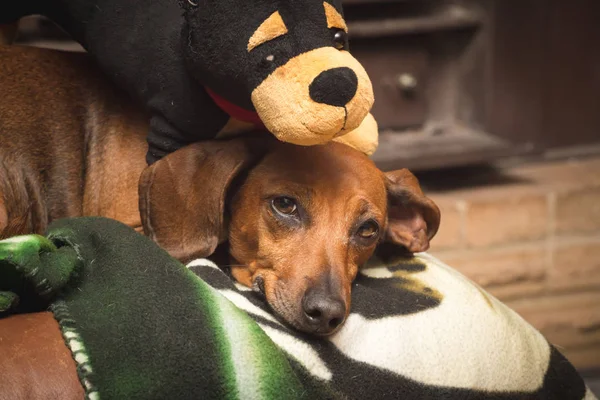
[[407, 83]]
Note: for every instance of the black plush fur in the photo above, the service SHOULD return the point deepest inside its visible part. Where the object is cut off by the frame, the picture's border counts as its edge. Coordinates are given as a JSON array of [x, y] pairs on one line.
[[166, 53]]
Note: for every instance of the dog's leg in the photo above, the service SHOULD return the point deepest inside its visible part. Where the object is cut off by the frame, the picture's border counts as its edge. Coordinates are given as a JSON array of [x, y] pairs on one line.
[[8, 33]]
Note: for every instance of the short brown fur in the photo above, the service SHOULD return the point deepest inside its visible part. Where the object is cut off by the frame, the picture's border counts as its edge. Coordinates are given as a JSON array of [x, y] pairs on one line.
[[71, 145]]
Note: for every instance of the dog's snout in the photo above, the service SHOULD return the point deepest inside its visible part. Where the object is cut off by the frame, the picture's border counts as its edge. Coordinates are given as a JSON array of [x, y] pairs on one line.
[[335, 87], [323, 312]]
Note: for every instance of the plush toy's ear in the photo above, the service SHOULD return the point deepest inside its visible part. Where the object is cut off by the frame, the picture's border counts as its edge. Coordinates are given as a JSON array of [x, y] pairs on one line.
[[182, 196], [413, 219]]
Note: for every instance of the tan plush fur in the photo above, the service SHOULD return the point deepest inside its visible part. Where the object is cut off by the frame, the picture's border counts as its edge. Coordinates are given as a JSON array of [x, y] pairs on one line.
[[334, 19], [271, 28]]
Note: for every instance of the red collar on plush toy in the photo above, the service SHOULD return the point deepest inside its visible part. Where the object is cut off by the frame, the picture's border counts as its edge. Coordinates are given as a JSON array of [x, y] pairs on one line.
[[236, 111]]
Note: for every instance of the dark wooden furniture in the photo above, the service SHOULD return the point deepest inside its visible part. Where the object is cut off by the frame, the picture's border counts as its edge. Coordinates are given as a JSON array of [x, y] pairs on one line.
[[460, 82]]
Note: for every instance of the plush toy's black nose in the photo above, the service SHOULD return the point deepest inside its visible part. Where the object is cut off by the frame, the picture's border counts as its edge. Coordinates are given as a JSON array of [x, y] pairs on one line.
[[323, 312], [336, 86]]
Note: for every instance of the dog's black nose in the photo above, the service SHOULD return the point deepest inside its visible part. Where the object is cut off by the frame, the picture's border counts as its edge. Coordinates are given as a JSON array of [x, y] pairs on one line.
[[336, 86], [323, 312]]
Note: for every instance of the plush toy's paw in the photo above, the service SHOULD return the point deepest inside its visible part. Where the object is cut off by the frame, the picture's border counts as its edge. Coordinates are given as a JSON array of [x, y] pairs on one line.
[[365, 138]]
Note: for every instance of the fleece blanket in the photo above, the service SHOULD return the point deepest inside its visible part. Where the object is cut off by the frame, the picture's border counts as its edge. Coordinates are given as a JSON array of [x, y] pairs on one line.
[[140, 325]]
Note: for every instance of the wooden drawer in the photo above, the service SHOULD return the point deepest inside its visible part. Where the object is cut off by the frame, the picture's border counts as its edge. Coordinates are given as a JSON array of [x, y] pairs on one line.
[[399, 74]]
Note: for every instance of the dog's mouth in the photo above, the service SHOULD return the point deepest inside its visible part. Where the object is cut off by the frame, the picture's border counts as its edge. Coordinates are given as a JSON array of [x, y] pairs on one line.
[[258, 286]]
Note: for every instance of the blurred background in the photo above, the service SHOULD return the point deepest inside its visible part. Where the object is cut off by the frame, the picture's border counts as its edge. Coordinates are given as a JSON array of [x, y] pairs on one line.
[[495, 105]]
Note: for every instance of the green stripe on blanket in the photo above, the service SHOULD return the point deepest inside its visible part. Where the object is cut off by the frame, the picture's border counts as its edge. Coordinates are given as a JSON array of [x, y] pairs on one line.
[[142, 326]]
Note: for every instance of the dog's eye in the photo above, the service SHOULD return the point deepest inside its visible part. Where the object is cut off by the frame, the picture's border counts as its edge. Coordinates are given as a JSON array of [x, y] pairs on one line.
[[285, 206], [340, 40], [368, 230]]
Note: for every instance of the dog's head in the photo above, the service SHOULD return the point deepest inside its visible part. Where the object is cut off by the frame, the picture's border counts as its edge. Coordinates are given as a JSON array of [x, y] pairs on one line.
[[300, 220], [287, 60]]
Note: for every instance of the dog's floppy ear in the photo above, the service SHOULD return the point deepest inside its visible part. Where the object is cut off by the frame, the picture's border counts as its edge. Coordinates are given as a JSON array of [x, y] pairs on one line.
[[413, 219], [182, 196]]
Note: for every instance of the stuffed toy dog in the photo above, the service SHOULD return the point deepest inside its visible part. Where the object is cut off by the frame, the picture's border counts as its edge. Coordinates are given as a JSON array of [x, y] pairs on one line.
[[208, 68]]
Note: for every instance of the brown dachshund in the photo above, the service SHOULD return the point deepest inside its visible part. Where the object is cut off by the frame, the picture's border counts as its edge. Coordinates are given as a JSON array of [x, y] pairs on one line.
[[298, 221]]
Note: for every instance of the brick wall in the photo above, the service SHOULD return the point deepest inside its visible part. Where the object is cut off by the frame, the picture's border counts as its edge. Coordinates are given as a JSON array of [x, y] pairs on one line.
[[535, 244]]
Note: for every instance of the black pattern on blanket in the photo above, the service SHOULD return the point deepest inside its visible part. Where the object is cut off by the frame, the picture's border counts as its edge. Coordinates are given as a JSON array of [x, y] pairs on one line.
[[419, 330]]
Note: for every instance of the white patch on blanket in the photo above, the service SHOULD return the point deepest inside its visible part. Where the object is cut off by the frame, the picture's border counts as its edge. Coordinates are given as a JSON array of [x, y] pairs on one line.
[[443, 345], [242, 288], [245, 304], [377, 272], [247, 362], [202, 262], [301, 351]]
